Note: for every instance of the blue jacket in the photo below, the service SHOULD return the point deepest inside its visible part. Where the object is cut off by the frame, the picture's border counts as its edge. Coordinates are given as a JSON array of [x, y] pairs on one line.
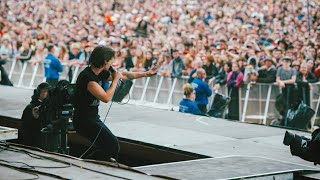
[[188, 106], [202, 91], [52, 67]]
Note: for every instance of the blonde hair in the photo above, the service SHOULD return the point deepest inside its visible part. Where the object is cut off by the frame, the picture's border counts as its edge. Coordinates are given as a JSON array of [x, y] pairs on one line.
[[188, 60], [187, 89], [140, 59], [63, 51]]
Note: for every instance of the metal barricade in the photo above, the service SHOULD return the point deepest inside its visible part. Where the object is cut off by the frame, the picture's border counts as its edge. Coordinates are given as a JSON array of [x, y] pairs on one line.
[[25, 74], [256, 101], [29, 74]]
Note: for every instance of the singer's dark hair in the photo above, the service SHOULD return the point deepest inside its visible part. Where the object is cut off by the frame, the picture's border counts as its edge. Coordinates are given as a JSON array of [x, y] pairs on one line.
[[100, 55]]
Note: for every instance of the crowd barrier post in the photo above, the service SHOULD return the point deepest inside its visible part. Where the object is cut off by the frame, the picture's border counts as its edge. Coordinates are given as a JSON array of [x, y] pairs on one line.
[[75, 74], [22, 74], [132, 87], [13, 65], [158, 90], [145, 89], [267, 104], [34, 75], [245, 102], [171, 91]]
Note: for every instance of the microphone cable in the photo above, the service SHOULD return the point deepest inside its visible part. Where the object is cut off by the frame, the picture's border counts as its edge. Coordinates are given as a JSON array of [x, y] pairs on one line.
[[105, 118]]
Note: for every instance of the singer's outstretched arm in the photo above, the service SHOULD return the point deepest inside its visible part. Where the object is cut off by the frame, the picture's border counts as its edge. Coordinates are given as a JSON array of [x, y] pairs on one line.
[[136, 75]]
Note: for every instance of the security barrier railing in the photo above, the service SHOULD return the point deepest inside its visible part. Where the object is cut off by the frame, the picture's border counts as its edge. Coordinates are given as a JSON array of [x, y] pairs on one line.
[[256, 101], [259, 101]]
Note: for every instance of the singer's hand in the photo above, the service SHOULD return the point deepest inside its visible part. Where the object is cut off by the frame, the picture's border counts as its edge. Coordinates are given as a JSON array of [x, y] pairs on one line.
[[116, 76], [152, 71]]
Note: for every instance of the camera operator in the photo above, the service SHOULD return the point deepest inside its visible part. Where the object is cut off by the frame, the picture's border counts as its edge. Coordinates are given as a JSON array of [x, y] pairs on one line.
[[89, 93], [31, 124]]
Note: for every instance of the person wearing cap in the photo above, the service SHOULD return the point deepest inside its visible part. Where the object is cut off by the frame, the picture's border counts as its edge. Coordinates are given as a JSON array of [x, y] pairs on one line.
[[285, 78], [251, 71], [286, 74], [31, 124], [296, 65], [310, 64], [115, 43], [232, 53], [267, 72]]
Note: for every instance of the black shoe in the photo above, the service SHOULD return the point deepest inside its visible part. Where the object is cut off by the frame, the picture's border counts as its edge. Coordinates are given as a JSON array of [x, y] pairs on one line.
[[288, 138]]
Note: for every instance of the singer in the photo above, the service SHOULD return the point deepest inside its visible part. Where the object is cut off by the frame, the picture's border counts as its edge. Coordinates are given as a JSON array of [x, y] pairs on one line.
[[89, 93]]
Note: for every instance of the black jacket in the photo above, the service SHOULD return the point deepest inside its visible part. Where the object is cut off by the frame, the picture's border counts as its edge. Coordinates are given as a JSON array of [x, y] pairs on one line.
[[221, 78], [30, 125], [211, 70], [267, 75], [311, 78]]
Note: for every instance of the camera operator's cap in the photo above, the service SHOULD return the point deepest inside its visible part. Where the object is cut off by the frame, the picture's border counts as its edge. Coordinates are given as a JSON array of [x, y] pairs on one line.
[[42, 86]]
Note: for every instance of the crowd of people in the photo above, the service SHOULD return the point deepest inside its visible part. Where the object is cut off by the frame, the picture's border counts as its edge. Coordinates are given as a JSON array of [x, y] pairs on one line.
[[232, 41]]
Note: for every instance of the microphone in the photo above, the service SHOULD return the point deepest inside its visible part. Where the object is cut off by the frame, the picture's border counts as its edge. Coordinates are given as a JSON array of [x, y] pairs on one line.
[[112, 71]]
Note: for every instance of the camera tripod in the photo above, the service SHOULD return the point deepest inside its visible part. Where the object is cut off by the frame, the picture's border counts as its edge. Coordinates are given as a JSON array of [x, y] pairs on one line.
[[54, 135]]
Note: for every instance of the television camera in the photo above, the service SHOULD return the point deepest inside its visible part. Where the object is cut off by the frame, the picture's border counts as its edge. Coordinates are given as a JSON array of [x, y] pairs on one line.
[[56, 113]]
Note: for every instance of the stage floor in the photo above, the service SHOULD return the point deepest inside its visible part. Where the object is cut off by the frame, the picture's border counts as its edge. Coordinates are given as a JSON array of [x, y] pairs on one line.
[[198, 134]]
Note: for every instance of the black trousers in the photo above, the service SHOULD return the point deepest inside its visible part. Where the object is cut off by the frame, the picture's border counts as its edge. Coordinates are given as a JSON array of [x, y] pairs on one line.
[[106, 141], [233, 111], [202, 108], [4, 80]]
